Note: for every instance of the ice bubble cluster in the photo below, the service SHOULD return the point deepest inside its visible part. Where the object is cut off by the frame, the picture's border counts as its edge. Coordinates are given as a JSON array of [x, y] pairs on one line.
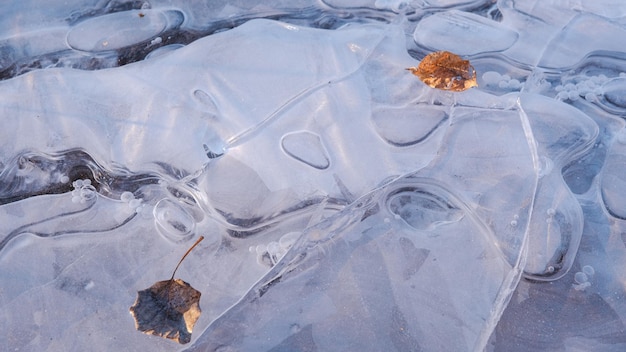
[[582, 279], [83, 191], [588, 88], [394, 5], [269, 254], [133, 203], [505, 81]]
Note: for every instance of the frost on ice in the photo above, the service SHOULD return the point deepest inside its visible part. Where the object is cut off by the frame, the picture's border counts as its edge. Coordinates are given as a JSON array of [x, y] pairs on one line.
[[345, 205]]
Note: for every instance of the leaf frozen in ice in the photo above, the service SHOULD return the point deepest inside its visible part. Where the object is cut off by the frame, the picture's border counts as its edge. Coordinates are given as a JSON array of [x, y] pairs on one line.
[[447, 71], [169, 308]]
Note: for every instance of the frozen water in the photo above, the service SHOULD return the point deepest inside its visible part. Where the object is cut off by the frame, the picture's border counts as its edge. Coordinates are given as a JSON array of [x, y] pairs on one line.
[[121, 29], [306, 147], [370, 270], [344, 204], [469, 29]]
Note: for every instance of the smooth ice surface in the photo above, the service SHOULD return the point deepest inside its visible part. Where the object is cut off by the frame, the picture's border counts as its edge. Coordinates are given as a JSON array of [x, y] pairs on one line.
[[344, 204], [121, 29], [469, 29]]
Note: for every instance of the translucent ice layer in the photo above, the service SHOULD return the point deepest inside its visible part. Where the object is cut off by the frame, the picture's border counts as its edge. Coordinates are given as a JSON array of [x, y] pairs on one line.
[[345, 205]]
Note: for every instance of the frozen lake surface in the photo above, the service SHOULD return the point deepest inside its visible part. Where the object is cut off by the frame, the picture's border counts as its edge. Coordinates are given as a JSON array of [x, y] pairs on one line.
[[345, 205]]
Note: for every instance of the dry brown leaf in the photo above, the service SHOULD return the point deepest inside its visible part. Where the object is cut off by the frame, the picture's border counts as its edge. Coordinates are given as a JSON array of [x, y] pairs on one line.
[[447, 71], [169, 308]]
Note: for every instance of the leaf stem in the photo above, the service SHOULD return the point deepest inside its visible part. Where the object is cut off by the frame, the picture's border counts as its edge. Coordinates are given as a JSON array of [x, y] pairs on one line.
[[184, 256]]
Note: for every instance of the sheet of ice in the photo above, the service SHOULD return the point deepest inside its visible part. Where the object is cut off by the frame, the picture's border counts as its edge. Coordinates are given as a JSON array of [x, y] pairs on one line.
[[370, 278], [122, 29], [432, 32], [345, 205]]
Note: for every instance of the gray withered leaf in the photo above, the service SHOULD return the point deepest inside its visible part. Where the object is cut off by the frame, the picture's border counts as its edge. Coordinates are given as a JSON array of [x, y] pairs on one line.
[[169, 308]]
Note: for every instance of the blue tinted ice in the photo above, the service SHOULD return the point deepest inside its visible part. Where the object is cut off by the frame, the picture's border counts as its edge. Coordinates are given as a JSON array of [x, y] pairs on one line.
[[345, 205]]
